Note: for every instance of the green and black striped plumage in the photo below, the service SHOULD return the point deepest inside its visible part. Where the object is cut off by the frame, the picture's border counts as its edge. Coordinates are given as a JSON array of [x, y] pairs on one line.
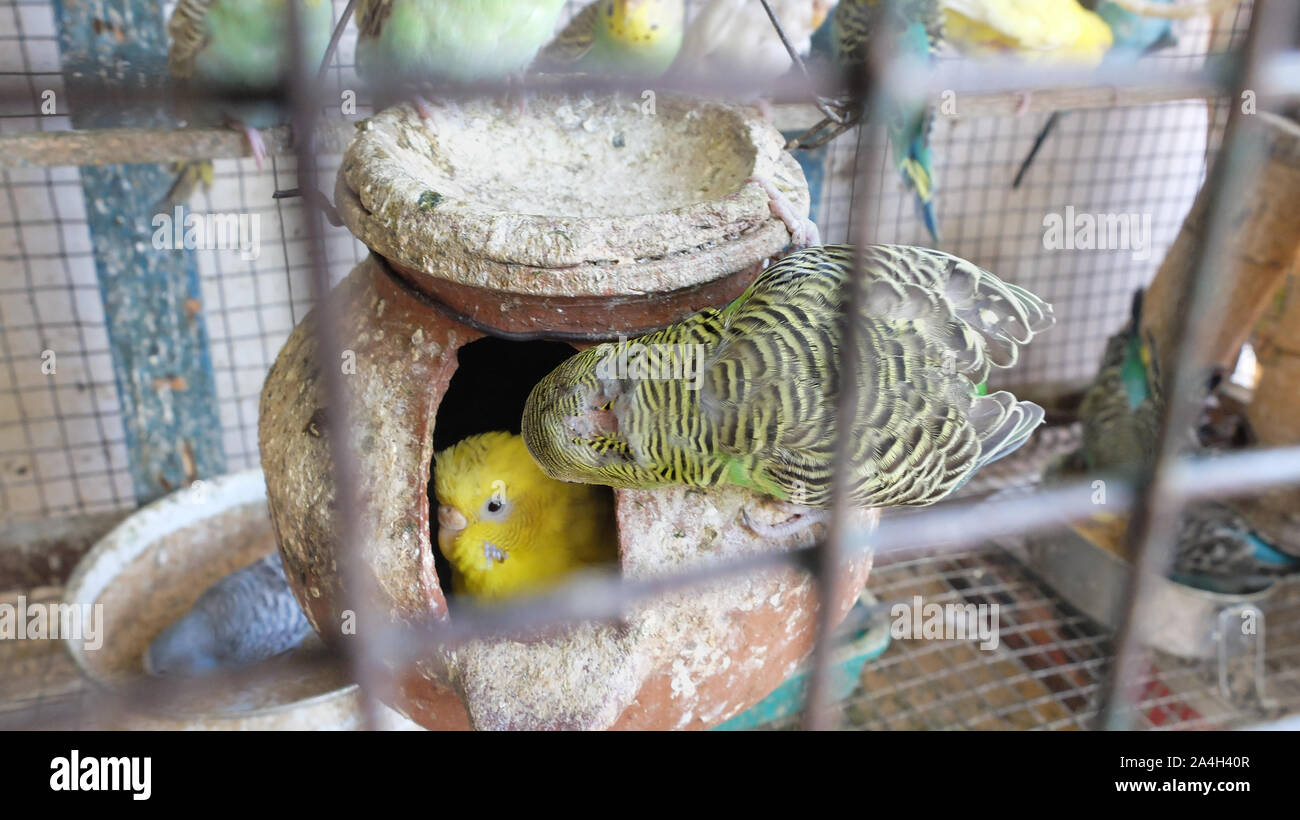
[[763, 415], [856, 21]]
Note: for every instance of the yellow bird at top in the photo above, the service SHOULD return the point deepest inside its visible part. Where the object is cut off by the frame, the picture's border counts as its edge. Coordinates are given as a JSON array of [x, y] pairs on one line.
[[1057, 30], [509, 529]]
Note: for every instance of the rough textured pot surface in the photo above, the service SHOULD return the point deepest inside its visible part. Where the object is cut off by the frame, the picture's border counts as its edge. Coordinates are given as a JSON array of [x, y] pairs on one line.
[[149, 571], [689, 660], [576, 196]]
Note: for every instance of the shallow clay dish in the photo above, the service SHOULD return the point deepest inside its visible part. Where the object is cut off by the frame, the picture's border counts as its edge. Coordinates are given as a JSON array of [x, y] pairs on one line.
[[149, 570], [575, 198]]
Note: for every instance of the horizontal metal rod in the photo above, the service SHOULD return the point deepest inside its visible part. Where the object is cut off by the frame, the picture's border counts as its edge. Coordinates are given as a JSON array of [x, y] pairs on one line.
[[952, 525], [949, 526], [951, 72]]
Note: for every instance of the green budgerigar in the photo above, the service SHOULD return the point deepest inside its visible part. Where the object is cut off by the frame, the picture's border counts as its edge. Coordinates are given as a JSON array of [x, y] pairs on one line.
[[1216, 548], [915, 30], [1121, 409], [415, 42], [754, 401], [621, 38], [232, 48]]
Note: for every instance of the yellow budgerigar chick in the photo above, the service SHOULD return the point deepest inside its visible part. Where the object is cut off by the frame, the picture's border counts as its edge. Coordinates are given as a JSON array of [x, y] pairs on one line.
[[1057, 30], [509, 529]]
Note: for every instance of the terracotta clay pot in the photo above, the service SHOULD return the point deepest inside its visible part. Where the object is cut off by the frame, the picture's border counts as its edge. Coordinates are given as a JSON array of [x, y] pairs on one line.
[[576, 221], [690, 660]]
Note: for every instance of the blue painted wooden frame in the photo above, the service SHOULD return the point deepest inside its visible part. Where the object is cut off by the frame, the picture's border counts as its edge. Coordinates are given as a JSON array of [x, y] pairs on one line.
[[152, 300]]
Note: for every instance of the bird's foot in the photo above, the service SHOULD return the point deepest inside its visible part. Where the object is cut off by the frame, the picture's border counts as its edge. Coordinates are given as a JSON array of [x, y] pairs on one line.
[[800, 519], [255, 144], [422, 107], [840, 112], [839, 116], [518, 94], [803, 231]]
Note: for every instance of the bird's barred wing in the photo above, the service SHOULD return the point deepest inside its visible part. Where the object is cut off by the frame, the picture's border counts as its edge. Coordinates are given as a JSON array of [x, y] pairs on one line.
[[573, 43], [371, 15], [992, 319], [971, 321], [188, 36], [932, 328]]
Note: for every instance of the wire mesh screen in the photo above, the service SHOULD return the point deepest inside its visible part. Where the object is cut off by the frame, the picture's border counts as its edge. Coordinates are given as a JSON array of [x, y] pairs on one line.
[[64, 452], [61, 442], [1148, 160]]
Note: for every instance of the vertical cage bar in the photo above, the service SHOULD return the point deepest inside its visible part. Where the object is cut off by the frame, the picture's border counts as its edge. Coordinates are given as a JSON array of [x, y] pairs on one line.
[[358, 586], [829, 556], [1153, 524]]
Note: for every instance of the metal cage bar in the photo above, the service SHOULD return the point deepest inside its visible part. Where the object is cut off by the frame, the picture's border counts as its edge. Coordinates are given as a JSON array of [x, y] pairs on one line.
[[951, 528]]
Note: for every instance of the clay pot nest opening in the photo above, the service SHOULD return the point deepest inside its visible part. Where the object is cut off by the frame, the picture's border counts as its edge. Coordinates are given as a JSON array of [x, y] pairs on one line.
[[553, 214], [480, 399]]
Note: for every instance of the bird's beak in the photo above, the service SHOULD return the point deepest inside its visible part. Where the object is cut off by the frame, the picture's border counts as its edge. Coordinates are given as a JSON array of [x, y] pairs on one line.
[[451, 519]]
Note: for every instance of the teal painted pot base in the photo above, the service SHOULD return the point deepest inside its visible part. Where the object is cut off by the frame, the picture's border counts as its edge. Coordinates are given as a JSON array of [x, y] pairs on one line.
[[869, 622]]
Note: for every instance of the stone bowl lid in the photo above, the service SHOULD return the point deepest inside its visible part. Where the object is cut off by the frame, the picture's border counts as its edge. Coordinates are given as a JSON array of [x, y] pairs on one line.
[[575, 196]]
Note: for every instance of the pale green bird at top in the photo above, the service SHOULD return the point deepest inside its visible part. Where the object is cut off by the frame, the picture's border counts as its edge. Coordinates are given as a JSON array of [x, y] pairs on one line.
[[758, 407], [234, 47], [459, 41], [622, 38]]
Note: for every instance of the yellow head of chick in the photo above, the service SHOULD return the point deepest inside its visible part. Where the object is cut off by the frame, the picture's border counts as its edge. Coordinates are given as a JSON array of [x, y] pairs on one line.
[[637, 22], [506, 527]]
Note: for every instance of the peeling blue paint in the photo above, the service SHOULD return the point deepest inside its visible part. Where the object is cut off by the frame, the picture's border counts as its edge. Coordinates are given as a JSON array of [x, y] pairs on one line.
[[813, 164], [151, 297]]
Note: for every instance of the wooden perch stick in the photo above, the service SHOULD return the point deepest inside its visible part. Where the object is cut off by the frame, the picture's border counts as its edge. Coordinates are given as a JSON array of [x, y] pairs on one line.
[[1273, 413], [112, 146], [1275, 420], [125, 146], [1261, 249]]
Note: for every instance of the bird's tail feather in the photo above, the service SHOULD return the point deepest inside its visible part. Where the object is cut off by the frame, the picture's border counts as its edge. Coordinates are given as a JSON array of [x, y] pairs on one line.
[[918, 174], [1003, 424]]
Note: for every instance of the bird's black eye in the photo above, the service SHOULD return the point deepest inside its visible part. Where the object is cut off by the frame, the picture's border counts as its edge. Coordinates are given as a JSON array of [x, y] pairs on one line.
[[494, 506]]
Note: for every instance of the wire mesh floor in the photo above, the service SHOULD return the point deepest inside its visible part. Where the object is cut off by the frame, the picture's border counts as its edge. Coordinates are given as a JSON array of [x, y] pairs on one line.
[[1046, 672]]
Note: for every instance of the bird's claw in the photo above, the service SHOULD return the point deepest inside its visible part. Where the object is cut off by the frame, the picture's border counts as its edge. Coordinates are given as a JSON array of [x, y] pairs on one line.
[[838, 117], [802, 519], [256, 145], [803, 231]]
